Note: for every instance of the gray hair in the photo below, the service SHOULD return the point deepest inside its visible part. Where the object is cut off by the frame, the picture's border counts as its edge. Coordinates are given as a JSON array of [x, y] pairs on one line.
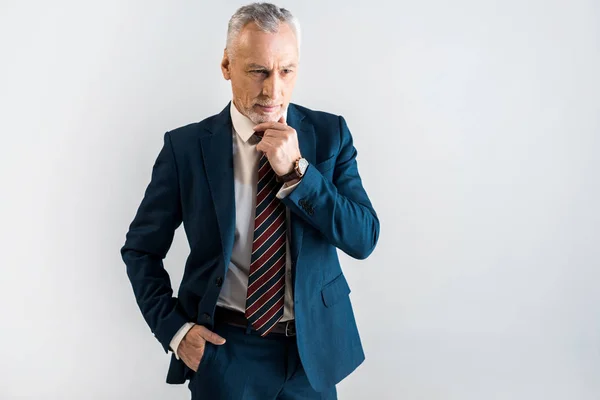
[[267, 17]]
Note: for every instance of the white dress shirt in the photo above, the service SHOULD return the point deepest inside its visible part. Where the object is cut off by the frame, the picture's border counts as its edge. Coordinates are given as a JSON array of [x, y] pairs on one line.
[[245, 171]]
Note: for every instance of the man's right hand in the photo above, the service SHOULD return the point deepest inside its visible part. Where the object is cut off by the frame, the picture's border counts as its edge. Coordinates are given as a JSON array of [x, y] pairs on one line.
[[191, 348]]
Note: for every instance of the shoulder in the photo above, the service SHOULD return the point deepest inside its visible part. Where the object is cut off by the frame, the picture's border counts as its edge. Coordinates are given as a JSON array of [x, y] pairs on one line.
[[187, 136], [332, 128], [192, 130], [317, 117]]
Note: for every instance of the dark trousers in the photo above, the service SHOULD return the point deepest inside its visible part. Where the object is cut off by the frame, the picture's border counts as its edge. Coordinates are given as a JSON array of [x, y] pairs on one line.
[[251, 367]]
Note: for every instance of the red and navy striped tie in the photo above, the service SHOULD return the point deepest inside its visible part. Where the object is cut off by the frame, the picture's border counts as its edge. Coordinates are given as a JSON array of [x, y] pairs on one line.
[[266, 280]]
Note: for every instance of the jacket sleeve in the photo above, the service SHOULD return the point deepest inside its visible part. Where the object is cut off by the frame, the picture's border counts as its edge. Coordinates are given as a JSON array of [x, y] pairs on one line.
[[147, 242], [340, 209]]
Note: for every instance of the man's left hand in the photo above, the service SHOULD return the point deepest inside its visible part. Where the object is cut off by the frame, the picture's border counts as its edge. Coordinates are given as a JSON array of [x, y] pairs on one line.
[[280, 144]]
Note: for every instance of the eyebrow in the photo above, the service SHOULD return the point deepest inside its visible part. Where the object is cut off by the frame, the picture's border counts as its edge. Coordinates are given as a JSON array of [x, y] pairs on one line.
[[258, 66]]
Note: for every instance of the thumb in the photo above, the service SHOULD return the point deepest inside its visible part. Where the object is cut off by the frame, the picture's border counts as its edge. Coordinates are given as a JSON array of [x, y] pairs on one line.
[[282, 120], [212, 337], [215, 339]]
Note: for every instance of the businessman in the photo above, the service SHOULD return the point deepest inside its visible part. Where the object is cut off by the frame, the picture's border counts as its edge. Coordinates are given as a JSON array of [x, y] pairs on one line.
[[266, 190]]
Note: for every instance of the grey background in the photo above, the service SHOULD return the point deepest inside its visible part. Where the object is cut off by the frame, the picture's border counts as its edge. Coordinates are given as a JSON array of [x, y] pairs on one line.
[[477, 125]]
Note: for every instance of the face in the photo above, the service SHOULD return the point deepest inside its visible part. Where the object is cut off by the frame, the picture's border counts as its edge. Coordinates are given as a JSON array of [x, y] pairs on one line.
[[262, 72]]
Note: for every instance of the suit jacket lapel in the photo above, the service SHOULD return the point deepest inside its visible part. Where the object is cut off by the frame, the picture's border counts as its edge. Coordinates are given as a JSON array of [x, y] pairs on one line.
[[217, 153]]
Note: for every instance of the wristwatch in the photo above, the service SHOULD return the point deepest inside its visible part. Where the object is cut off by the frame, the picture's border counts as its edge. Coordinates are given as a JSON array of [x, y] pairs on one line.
[[297, 173]]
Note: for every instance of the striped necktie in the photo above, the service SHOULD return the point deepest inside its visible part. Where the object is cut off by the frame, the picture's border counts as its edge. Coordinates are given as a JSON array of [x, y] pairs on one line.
[[266, 280]]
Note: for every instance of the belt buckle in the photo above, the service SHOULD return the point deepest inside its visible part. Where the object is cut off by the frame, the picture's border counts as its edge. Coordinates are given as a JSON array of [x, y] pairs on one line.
[[292, 331]]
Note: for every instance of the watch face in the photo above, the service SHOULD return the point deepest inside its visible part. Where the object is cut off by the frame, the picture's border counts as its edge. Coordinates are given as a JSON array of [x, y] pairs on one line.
[[302, 165]]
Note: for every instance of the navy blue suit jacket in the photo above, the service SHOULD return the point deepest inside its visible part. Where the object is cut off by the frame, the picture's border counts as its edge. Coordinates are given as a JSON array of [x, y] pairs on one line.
[[192, 182]]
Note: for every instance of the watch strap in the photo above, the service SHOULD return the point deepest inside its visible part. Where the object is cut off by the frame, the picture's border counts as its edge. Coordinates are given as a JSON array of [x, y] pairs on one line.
[[290, 175]]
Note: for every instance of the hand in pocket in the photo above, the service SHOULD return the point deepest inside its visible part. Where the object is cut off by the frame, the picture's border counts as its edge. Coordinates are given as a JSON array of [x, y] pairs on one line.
[[191, 348]]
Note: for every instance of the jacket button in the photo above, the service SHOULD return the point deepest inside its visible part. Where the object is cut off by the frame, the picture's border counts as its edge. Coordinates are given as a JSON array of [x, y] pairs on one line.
[[205, 317], [219, 281]]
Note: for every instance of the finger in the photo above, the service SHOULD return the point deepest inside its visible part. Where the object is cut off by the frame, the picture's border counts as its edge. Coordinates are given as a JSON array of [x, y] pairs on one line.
[[282, 120], [267, 144], [263, 146], [270, 125], [275, 133], [212, 337], [272, 141], [195, 336]]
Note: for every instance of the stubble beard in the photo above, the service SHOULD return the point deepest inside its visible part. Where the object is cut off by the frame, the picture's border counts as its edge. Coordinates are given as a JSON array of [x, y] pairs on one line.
[[259, 118]]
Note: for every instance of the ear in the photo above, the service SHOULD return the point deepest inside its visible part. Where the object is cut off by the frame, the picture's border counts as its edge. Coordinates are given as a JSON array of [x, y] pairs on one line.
[[225, 65]]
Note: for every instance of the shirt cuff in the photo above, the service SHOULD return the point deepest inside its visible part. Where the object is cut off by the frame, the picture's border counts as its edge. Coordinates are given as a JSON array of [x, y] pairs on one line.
[[179, 337], [286, 190]]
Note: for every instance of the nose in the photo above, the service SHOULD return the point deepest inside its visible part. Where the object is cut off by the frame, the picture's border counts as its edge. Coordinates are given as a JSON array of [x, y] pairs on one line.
[[272, 86]]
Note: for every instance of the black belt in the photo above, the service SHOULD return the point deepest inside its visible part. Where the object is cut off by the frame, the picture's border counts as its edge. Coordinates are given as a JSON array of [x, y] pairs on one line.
[[235, 318]]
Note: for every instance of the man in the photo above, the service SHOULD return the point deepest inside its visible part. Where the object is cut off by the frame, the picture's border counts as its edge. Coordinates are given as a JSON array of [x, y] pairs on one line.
[[266, 191]]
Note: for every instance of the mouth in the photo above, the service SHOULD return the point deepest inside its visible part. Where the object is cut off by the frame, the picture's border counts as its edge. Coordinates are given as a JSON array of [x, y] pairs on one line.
[[268, 109]]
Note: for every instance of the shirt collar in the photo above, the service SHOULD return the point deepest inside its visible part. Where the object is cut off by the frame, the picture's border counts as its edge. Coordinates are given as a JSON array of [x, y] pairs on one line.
[[242, 124]]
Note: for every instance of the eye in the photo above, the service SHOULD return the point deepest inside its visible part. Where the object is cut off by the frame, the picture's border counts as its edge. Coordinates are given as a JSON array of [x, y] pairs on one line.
[[259, 71], [287, 71]]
